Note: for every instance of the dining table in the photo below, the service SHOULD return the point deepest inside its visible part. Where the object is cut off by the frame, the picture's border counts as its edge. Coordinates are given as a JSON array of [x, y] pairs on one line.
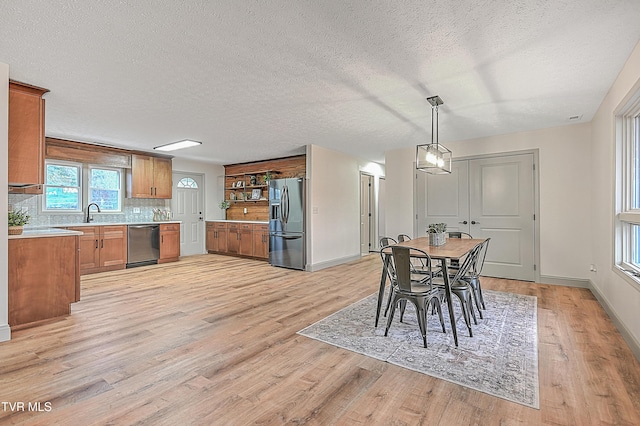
[[452, 249]]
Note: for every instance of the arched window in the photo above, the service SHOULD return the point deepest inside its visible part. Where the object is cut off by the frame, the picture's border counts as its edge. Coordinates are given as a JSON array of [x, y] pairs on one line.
[[187, 182]]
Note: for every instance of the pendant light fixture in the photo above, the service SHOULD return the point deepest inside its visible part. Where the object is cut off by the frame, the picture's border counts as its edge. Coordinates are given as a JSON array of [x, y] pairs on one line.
[[433, 158]]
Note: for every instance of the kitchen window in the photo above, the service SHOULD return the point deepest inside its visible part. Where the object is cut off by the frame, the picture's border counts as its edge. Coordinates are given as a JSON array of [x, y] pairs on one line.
[[627, 234], [105, 188], [69, 187], [63, 187]]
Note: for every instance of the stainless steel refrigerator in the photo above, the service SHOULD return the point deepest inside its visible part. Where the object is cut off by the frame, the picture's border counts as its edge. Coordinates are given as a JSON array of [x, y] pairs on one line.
[[286, 223]]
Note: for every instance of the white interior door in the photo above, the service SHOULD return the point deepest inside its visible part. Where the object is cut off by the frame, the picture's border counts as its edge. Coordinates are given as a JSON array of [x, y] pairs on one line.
[[488, 198], [502, 208], [445, 199], [187, 206]]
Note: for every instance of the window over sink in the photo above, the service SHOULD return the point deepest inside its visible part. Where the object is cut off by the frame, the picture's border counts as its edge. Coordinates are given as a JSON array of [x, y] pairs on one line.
[[70, 186]]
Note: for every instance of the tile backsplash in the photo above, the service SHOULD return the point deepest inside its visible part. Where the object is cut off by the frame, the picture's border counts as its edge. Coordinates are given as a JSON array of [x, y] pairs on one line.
[[33, 203]]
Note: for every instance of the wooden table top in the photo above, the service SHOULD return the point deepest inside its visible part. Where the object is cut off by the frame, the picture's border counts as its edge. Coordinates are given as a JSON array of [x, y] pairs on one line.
[[454, 248]]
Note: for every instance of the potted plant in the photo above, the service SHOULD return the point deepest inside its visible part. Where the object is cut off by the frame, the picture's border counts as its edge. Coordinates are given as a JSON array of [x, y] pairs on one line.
[[224, 204], [436, 233], [17, 220], [267, 177]]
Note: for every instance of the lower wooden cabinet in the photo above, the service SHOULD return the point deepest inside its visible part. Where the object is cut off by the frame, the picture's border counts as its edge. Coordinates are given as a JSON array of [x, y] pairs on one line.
[[169, 242], [43, 279], [261, 241], [102, 248], [217, 237], [238, 238]]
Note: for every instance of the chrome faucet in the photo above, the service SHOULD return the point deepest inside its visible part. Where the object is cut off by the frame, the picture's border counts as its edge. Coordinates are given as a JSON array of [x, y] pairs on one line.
[[89, 218]]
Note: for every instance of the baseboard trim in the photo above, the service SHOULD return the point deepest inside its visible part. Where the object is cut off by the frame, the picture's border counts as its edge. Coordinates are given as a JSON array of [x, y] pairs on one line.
[[334, 262], [5, 332], [634, 345], [568, 282]]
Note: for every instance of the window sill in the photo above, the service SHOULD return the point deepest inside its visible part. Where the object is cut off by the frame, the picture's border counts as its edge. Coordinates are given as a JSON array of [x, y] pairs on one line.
[[630, 277]]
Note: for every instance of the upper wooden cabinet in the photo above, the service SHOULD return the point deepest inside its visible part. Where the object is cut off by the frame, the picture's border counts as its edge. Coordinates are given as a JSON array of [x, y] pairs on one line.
[[26, 134], [149, 177]]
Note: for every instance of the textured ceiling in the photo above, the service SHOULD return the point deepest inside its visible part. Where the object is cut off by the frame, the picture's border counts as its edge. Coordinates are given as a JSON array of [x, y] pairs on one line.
[[255, 80]]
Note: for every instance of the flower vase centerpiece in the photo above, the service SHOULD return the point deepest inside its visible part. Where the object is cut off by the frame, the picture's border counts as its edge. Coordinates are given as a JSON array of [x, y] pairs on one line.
[[17, 220], [436, 232]]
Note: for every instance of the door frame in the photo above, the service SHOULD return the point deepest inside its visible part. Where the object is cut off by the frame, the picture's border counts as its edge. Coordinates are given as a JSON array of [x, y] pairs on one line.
[[372, 210], [536, 198]]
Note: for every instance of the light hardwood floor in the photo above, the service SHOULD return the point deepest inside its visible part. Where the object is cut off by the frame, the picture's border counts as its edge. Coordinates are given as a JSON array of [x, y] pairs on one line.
[[212, 340]]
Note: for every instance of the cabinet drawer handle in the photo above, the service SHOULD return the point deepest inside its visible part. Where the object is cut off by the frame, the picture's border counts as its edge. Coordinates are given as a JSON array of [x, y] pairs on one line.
[[96, 243], [102, 243]]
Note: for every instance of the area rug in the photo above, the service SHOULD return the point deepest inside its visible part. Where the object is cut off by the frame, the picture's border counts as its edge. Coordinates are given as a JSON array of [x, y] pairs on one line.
[[501, 359]]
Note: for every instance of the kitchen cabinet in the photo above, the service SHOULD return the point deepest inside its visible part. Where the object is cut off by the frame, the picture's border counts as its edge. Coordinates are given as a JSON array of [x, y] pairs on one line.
[[216, 237], [169, 242], [102, 248], [149, 177], [261, 241], [245, 232], [233, 238], [26, 137], [239, 238], [44, 278]]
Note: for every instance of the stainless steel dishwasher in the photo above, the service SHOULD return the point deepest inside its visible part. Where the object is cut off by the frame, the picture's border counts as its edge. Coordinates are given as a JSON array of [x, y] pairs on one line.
[[143, 245]]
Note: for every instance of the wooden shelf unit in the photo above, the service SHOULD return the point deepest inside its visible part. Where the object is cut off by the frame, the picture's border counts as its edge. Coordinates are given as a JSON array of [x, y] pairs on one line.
[[257, 210]]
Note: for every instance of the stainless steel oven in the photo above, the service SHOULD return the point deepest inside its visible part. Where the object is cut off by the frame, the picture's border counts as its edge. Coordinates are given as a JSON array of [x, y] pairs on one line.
[[143, 245]]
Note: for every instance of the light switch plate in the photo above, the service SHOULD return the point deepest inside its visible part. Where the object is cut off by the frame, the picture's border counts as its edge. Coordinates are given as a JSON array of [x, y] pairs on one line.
[[136, 209]]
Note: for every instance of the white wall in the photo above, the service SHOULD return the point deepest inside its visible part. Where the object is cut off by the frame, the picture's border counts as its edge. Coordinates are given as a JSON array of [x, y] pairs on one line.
[[333, 207], [5, 331], [621, 296], [399, 180], [213, 184], [565, 181]]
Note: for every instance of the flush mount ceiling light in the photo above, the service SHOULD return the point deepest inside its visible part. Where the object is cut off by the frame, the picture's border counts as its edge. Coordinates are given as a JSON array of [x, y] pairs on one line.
[[433, 158], [177, 145]]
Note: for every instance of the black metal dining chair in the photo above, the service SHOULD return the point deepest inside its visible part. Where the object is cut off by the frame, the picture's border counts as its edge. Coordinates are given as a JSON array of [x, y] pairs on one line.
[[403, 237], [422, 294], [473, 276], [462, 289]]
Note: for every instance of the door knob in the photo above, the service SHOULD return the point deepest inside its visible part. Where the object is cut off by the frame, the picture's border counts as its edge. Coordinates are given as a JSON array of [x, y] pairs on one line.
[[464, 222], [473, 222]]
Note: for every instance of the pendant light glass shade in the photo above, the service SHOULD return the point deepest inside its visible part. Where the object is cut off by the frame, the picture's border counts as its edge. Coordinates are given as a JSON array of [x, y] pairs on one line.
[[433, 158]]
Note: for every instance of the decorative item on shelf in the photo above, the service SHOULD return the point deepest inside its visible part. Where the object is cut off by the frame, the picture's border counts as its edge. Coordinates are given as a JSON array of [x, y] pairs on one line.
[[225, 205], [253, 180], [233, 185], [267, 177], [437, 236], [433, 158], [232, 196], [240, 184], [17, 220], [256, 194]]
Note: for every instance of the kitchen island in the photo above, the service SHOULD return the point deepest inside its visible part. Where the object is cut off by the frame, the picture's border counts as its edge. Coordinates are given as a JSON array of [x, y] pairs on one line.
[[44, 275]]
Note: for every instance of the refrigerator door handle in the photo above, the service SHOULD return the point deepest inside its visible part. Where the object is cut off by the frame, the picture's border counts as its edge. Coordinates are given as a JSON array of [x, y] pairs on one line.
[[285, 204], [289, 237]]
